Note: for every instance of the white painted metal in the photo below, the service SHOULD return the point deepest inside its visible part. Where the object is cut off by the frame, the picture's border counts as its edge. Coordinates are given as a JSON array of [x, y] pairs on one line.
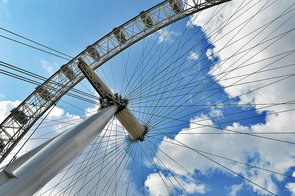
[[32, 171], [131, 124], [95, 77]]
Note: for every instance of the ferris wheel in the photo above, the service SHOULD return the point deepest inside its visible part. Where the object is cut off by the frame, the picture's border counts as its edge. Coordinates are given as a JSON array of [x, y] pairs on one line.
[[183, 88]]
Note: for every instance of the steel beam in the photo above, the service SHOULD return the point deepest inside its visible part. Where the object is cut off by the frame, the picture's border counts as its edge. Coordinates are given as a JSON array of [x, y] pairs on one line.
[[135, 129]]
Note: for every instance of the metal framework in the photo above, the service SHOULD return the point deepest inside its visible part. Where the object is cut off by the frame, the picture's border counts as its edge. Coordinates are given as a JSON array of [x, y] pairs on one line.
[[22, 118]]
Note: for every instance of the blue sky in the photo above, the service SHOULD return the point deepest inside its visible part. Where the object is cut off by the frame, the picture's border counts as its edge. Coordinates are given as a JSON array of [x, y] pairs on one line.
[[247, 106]]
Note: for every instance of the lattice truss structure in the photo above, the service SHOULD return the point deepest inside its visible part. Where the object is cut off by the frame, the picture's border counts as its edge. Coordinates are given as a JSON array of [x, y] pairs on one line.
[[22, 118]]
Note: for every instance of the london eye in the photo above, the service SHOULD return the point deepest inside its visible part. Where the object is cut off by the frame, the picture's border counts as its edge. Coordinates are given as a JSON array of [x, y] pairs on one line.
[[185, 98]]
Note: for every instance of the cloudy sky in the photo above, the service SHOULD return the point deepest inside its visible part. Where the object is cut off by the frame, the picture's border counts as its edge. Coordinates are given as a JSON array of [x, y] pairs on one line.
[[216, 90]]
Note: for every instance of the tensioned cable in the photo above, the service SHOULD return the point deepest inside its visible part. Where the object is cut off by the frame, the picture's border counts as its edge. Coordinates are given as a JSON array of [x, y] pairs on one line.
[[21, 147], [165, 168], [231, 130], [81, 176], [157, 170], [225, 122], [223, 166], [193, 175], [90, 164], [104, 155], [190, 40], [10, 74], [123, 157], [228, 78], [210, 95], [81, 169], [70, 167], [226, 158], [28, 73], [30, 40], [28, 45]]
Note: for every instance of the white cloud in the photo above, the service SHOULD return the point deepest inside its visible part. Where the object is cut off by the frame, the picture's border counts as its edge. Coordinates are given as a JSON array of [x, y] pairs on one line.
[[156, 186], [235, 189], [166, 35], [210, 54], [229, 40], [47, 66], [5, 1], [193, 56], [6, 107], [291, 186], [215, 113], [262, 153], [205, 20], [247, 62]]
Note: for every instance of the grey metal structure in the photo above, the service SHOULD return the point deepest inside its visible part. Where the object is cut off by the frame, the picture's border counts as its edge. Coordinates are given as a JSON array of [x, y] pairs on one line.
[[46, 160], [22, 118], [124, 115], [30, 172]]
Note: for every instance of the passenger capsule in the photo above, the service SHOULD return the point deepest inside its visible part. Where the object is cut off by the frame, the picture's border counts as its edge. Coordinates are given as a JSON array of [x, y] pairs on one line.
[[146, 19], [19, 116], [68, 72], [119, 35], [176, 6], [93, 53], [44, 93]]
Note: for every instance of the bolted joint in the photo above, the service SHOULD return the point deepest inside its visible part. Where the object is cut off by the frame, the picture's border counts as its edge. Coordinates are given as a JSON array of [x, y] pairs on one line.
[[108, 99], [120, 102]]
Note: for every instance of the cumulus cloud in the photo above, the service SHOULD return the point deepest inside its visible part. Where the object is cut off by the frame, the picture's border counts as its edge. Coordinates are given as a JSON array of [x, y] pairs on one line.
[[291, 186], [166, 35], [6, 107], [235, 189], [244, 50], [215, 113], [255, 65], [210, 54], [262, 153], [161, 185], [47, 66]]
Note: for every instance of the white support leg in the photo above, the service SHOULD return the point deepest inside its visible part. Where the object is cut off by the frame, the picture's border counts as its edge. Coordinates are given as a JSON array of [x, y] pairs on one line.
[[32, 172]]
